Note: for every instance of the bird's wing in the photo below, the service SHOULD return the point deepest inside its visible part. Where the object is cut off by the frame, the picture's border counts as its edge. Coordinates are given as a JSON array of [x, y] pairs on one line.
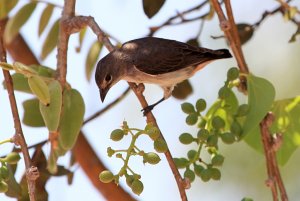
[[164, 57]]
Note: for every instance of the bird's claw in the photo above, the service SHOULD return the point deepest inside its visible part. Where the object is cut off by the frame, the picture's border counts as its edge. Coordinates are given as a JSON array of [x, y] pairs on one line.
[[147, 109]]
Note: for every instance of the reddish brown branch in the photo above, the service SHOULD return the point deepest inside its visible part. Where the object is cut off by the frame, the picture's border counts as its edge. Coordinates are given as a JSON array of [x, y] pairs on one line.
[[19, 139]]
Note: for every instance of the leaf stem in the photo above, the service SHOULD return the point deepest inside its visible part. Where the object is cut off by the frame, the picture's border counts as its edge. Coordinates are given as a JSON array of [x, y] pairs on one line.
[[10, 140]]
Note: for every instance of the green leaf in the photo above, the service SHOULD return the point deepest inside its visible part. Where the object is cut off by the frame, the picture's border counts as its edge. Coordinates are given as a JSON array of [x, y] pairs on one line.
[[286, 122], [71, 119], [32, 116], [24, 69], [45, 17], [39, 87], [15, 23], [81, 36], [51, 40], [6, 7], [151, 7], [14, 189], [20, 83], [51, 112], [261, 96], [182, 90], [92, 58]]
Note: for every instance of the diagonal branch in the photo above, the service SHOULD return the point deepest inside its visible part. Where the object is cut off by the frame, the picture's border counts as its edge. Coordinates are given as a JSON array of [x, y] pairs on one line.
[[31, 172]]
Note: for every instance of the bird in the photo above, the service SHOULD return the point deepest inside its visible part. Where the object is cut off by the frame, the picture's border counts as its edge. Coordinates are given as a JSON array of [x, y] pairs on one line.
[[155, 61]]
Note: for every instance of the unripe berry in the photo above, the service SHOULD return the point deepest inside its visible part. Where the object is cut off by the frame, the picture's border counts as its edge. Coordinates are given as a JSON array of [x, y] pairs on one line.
[[191, 154], [137, 187], [232, 74], [236, 128], [117, 135], [110, 151], [153, 132], [200, 105], [106, 176], [151, 158], [202, 135], [224, 92], [198, 169], [206, 174], [4, 172], [186, 138], [202, 123], [215, 173], [217, 160], [243, 110], [3, 186], [187, 108], [12, 158], [129, 180], [212, 140], [218, 122], [191, 119], [189, 174], [160, 145], [228, 138]]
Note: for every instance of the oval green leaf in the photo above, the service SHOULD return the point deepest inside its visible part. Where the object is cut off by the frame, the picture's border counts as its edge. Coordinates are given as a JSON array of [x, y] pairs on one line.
[[45, 17], [71, 119], [15, 23], [24, 69], [39, 87], [20, 83], [32, 116], [51, 112], [51, 40], [81, 36], [151, 7], [261, 94], [6, 7], [92, 58]]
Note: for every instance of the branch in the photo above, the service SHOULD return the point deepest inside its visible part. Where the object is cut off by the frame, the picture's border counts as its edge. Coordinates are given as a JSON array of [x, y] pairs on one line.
[[31, 172], [180, 15], [79, 22], [274, 180]]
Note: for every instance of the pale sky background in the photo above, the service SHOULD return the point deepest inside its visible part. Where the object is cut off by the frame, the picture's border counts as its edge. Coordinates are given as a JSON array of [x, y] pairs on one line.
[[268, 55]]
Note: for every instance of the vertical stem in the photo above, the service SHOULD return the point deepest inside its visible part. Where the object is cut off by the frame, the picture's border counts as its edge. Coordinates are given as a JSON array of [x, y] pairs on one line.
[[19, 138]]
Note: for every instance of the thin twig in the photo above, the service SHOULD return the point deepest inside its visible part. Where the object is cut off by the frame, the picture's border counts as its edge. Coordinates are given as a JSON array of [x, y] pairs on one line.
[[179, 15], [109, 106], [274, 177], [19, 139]]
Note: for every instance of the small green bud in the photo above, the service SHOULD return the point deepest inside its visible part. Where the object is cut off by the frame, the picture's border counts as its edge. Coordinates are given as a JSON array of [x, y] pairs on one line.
[[129, 180], [186, 138], [218, 122], [189, 174], [202, 135], [215, 173], [187, 108], [118, 155], [200, 105], [212, 140], [106, 176], [191, 154], [232, 74], [217, 160], [160, 145], [153, 132], [191, 119], [151, 158], [125, 127], [117, 135], [4, 172], [3, 186], [181, 162], [206, 174], [236, 128], [12, 158], [137, 187], [243, 110], [198, 169], [224, 92], [228, 138], [202, 123], [212, 150], [110, 151]]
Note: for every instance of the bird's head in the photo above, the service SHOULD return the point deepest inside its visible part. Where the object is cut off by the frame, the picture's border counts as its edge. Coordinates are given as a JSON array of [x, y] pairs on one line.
[[108, 73]]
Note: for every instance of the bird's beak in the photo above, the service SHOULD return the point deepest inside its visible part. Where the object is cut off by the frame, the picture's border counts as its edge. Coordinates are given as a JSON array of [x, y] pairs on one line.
[[103, 92]]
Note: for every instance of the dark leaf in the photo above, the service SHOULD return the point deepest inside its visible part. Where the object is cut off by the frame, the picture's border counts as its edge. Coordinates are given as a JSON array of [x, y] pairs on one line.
[[151, 7]]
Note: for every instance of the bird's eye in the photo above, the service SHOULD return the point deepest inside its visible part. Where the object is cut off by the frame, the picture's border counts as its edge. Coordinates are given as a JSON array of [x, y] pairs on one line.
[[108, 78]]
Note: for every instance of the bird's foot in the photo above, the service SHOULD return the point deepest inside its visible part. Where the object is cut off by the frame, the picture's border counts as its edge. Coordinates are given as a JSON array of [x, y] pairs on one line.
[[147, 109]]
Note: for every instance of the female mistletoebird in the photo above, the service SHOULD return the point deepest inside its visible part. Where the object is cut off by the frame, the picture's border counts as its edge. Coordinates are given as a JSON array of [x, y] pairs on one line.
[[155, 61]]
